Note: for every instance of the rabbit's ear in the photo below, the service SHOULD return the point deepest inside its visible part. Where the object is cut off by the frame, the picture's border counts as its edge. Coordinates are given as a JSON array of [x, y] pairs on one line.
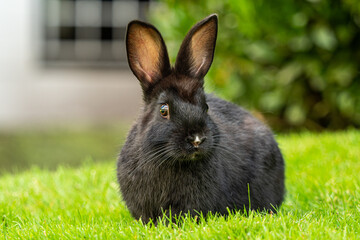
[[147, 54], [197, 50]]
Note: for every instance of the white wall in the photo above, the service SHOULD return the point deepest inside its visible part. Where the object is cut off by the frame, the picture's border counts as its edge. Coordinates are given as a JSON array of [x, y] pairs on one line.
[[33, 95]]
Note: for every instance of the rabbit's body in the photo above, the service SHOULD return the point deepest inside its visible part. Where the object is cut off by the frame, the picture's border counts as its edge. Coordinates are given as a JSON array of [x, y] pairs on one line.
[[198, 153]]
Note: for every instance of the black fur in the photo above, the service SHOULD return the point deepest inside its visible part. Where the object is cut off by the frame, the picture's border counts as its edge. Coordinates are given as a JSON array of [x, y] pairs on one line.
[[159, 168]]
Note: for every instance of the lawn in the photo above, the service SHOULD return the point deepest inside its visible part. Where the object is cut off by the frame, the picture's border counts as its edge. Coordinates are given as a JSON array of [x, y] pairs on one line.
[[83, 202], [49, 148]]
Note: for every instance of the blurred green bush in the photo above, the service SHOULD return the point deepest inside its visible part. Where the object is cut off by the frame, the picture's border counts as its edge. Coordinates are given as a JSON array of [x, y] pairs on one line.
[[294, 62]]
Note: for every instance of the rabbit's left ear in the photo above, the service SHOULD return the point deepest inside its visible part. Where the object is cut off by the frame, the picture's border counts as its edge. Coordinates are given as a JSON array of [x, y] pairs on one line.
[[197, 50], [147, 54]]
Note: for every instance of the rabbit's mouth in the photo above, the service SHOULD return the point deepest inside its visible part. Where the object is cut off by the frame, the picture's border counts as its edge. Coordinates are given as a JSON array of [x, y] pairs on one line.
[[195, 154]]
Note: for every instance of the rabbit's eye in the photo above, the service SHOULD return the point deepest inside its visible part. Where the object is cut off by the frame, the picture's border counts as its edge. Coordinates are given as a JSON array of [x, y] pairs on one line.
[[164, 111]]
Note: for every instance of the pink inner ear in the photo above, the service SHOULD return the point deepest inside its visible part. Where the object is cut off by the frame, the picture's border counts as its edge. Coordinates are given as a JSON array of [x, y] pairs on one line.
[[200, 47], [146, 76], [145, 47], [202, 44], [201, 65]]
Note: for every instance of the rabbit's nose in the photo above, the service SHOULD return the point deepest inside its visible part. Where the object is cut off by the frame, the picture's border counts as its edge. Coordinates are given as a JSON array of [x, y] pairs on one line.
[[196, 140]]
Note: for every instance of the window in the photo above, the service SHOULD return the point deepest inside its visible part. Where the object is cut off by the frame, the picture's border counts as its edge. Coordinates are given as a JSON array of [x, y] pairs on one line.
[[88, 32]]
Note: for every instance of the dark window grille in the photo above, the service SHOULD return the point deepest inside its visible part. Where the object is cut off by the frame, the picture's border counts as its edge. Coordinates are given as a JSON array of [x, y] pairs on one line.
[[88, 32]]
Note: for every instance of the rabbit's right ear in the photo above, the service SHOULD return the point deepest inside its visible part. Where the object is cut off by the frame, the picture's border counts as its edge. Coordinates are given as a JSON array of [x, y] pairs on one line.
[[147, 55], [197, 50]]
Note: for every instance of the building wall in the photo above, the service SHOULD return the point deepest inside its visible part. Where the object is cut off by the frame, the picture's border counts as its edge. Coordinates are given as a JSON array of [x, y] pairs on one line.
[[31, 94]]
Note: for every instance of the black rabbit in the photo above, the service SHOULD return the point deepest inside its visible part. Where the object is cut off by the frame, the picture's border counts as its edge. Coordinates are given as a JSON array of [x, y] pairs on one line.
[[190, 151]]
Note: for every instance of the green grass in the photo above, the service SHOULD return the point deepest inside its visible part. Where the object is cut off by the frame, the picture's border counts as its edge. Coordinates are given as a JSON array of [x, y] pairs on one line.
[[66, 147], [322, 201]]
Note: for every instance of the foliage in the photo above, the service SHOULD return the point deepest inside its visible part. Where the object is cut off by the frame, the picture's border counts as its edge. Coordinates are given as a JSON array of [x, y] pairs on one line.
[[322, 202], [295, 62]]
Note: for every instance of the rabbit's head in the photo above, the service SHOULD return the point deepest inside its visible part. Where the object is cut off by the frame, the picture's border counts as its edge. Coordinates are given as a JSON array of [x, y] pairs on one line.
[[175, 121]]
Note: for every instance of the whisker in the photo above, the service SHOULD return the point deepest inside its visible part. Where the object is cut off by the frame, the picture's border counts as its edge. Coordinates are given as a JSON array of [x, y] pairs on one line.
[[157, 154], [228, 151]]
